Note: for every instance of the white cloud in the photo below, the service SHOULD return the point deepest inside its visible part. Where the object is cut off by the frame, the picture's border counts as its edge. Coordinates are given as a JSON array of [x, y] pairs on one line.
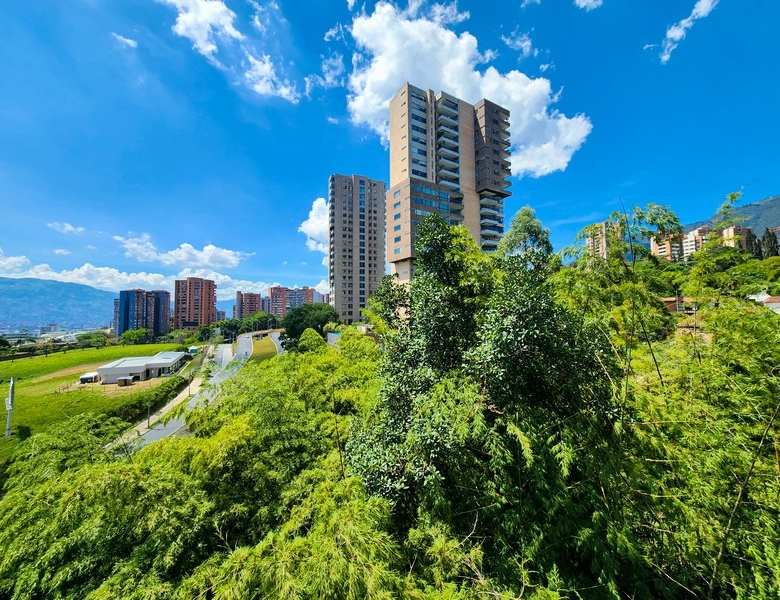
[[142, 249], [91, 247], [333, 120], [210, 26], [676, 33], [316, 228], [546, 67], [520, 42], [262, 78], [334, 33], [445, 14], [394, 48], [12, 264], [203, 22], [332, 72], [350, 4], [322, 287], [124, 41], [65, 228], [61, 252], [527, 2], [588, 4], [113, 280]]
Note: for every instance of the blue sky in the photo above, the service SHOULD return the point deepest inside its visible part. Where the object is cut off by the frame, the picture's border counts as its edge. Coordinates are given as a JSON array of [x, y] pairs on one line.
[[145, 141]]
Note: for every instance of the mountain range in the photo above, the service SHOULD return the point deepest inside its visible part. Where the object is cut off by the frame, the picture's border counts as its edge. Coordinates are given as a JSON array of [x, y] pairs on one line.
[[30, 303], [761, 215]]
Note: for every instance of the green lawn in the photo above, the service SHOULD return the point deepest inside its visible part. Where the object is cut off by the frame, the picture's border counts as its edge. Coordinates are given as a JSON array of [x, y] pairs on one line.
[[47, 389], [263, 349]]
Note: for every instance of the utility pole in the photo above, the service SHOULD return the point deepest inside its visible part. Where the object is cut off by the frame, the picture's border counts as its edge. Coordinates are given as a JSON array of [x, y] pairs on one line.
[[9, 406]]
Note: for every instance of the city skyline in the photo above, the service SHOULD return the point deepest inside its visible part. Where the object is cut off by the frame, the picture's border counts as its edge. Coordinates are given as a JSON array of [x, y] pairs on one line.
[[152, 141]]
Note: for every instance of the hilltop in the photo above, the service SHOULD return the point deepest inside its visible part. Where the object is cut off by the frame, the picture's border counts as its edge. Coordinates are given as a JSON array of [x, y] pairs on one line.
[[760, 215], [33, 302]]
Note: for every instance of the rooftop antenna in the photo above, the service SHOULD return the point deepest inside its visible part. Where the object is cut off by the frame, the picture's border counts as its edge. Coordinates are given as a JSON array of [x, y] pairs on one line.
[[9, 406]]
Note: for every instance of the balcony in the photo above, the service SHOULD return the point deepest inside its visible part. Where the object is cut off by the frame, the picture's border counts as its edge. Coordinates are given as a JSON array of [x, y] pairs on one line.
[[453, 185], [447, 162], [489, 243], [447, 119], [448, 149], [442, 127], [447, 107]]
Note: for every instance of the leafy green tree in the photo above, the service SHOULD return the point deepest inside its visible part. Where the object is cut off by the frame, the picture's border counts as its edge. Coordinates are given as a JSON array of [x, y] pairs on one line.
[[306, 316], [769, 246], [136, 336], [753, 245], [528, 238]]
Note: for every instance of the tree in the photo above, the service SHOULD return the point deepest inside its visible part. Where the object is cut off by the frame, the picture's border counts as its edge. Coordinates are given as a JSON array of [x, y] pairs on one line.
[[753, 245], [769, 245], [527, 237], [306, 316], [136, 336]]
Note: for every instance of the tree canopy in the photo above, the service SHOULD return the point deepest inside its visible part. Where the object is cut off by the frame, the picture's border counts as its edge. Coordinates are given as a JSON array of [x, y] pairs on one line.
[[526, 429]]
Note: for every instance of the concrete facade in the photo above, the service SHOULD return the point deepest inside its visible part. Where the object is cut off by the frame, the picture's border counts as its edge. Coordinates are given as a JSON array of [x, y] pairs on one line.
[[194, 303], [447, 157], [356, 248]]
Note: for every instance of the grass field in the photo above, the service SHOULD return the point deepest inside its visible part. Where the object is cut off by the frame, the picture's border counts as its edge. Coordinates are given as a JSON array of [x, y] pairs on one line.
[[47, 388], [263, 349]]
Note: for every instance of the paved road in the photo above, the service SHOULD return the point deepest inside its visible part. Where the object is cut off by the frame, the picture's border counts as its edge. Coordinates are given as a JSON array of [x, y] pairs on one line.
[[224, 366]]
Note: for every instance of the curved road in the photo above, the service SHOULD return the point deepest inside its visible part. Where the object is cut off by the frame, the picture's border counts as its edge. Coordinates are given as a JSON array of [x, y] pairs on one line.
[[225, 366]]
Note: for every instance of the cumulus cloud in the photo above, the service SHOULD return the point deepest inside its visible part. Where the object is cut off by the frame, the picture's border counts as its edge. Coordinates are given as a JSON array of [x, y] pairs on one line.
[[322, 287], [130, 43], [332, 74], [350, 4], [394, 48], [588, 4], [263, 79], [316, 228], [677, 32], [142, 249], [61, 252], [203, 22], [12, 264], [520, 42], [65, 228], [113, 280], [333, 120]]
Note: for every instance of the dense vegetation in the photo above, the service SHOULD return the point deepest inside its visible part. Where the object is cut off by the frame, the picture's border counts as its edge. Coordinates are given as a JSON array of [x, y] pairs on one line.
[[529, 430]]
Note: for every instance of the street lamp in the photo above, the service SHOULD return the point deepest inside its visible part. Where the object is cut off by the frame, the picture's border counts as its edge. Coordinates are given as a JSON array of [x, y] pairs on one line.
[[9, 406]]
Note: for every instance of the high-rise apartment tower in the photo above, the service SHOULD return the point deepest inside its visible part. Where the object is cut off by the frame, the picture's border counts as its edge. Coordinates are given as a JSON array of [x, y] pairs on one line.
[[194, 303], [357, 242], [139, 309], [447, 157]]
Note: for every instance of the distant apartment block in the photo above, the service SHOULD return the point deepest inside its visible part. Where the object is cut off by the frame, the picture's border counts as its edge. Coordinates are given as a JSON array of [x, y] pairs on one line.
[[735, 236], [674, 248], [447, 157], [283, 299], [670, 247], [140, 309], [694, 240], [194, 303], [247, 303], [50, 328], [356, 256]]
